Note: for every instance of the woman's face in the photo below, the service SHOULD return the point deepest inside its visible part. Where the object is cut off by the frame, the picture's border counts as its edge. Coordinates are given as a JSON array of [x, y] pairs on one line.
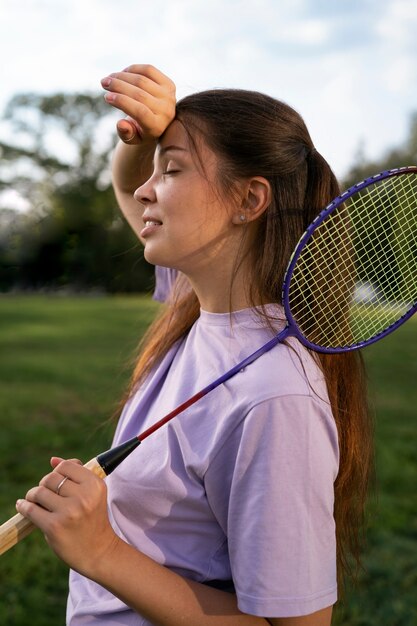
[[187, 225]]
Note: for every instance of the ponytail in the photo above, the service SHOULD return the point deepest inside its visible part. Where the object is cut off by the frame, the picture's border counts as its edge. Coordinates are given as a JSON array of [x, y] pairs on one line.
[[347, 389], [321, 187]]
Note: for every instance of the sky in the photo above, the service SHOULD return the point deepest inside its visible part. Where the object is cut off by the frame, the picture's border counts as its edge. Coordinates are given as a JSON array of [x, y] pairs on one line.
[[348, 66]]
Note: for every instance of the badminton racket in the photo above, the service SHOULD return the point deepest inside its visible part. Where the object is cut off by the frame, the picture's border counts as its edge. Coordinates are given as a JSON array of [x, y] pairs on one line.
[[351, 280]]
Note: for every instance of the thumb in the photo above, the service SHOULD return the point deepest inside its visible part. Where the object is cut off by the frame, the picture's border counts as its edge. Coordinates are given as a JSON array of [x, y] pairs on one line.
[[129, 131]]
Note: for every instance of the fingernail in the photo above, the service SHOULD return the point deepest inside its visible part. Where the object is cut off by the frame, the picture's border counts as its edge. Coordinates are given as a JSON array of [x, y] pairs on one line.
[[106, 81], [109, 97], [18, 502]]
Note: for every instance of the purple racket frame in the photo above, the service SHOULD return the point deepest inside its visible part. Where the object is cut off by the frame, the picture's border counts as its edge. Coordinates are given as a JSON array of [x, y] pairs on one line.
[[110, 459]]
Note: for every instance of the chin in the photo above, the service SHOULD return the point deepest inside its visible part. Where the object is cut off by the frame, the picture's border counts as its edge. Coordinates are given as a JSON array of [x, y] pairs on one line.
[[152, 257]]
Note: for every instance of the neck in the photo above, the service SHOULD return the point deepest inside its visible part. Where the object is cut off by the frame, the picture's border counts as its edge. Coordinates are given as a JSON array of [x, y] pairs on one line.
[[221, 273], [224, 290]]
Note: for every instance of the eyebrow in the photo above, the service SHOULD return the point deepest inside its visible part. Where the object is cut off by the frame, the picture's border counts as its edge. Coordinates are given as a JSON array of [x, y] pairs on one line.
[[171, 147]]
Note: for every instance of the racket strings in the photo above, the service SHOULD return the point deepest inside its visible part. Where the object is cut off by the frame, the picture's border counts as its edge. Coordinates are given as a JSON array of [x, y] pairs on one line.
[[375, 258], [386, 204], [357, 274], [375, 265], [388, 268], [322, 281], [399, 250]]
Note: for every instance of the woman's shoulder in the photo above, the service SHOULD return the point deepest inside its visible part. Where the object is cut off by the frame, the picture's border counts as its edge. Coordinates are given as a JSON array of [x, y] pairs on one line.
[[225, 340], [287, 370]]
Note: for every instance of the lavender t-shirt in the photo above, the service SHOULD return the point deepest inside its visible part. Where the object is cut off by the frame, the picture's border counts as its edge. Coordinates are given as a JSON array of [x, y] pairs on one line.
[[165, 278], [239, 486]]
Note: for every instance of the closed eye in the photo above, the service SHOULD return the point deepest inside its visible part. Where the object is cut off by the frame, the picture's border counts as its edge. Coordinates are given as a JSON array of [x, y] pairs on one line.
[[169, 172]]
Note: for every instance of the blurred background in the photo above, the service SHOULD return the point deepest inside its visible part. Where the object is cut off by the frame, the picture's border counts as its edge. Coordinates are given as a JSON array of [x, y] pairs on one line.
[[74, 286]]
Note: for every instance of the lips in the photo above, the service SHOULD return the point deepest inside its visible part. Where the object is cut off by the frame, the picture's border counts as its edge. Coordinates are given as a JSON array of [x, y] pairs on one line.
[[151, 225], [149, 218]]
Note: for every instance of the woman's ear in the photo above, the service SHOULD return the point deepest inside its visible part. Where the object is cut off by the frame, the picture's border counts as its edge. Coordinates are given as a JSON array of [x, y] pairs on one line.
[[256, 197]]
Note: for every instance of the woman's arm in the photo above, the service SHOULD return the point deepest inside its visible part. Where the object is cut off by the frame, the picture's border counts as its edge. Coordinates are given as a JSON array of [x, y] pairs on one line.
[[147, 97], [164, 597], [167, 599]]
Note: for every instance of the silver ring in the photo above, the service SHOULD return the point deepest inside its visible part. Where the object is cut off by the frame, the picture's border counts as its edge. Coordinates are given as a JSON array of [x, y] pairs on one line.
[[57, 490]]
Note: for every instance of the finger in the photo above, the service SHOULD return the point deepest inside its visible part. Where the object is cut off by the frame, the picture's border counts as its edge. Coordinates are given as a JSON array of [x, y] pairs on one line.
[[36, 514], [55, 482], [150, 71], [55, 460], [127, 126], [51, 480], [143, 82], [75, 471], [44, 497], [134, 109], [116, 85], [128, 131]]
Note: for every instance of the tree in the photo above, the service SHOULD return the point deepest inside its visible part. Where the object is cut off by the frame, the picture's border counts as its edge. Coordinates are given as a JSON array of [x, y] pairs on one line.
[[401, 261], [59, 161], [398, 156]]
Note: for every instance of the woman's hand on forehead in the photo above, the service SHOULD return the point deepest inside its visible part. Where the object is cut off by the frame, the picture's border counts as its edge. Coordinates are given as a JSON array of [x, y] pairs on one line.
[[146, 96]]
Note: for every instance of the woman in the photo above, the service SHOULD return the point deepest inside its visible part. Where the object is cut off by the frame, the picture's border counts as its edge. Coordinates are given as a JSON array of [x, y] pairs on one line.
[[237, 511]]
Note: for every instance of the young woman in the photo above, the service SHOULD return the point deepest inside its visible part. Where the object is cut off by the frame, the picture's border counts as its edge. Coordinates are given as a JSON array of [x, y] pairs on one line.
[[239, 511]]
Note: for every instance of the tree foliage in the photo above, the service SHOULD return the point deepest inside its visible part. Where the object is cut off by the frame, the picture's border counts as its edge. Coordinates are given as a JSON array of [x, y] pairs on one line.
[[386, 231], [397, 156], [57, 158]]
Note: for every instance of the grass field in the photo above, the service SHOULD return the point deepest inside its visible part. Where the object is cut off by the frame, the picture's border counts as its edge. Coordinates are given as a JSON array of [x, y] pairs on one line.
[[63, 365]]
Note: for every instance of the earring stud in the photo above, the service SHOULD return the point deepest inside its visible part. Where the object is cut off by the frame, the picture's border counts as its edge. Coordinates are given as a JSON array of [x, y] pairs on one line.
[[242, 218]]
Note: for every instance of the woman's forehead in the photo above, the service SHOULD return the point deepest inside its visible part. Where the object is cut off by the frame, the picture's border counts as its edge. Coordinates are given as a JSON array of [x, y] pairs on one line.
[[175, 135]]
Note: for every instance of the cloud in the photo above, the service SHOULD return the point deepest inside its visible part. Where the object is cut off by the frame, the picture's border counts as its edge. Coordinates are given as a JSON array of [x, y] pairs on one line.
[[397, 23], [347, 66], [397, 49]]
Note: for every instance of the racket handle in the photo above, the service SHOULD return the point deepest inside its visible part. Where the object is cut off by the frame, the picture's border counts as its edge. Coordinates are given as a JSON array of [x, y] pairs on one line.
[[18, 526], [94, 466], [12, 531]]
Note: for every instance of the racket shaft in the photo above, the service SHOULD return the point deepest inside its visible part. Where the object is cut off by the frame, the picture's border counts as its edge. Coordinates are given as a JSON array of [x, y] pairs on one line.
[[18, 526]]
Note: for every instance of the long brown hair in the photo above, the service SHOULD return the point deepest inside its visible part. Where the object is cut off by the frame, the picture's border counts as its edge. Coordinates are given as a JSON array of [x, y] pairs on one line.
[[256, 135]]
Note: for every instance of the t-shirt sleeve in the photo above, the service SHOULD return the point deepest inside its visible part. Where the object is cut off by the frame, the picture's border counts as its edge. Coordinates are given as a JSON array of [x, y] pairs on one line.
[[271, 487]]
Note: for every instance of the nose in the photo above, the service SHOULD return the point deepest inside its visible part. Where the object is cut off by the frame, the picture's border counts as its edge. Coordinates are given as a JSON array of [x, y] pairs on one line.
[[145, 194]]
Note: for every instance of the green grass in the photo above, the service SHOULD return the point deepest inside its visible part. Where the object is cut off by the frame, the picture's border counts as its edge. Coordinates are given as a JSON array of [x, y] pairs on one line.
[[63, 366], [386, 594]]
